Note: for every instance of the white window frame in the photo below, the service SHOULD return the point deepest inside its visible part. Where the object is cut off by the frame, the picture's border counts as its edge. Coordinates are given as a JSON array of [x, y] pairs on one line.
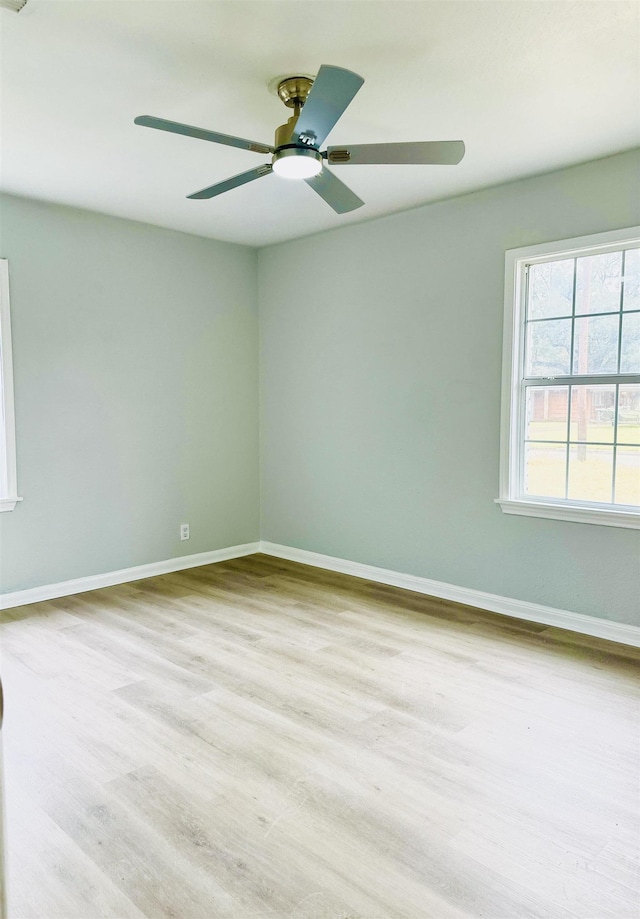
[[510, 499], [8, 482]]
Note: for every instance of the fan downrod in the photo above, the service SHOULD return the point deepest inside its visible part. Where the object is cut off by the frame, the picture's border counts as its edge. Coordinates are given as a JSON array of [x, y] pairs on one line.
[[293, 91]]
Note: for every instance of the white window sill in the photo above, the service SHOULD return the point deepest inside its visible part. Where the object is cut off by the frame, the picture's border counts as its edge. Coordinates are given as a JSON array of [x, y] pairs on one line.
[[573, 512], [8, 504]]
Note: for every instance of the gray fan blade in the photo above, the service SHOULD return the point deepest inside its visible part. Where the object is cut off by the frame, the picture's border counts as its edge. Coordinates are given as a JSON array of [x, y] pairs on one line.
[[332, 91], [334, 192], [174, 127], [233, 182], [439, 152]]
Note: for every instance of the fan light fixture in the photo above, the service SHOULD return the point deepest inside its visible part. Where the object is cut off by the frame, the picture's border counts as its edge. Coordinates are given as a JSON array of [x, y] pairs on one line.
[[297, 163]]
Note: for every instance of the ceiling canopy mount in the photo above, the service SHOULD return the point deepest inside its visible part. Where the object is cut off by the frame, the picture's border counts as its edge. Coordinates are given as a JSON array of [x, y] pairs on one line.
[[293, 91]]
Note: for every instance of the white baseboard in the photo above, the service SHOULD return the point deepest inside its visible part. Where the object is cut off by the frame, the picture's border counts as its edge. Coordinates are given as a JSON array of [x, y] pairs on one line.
[[123, 575], [518, 609]]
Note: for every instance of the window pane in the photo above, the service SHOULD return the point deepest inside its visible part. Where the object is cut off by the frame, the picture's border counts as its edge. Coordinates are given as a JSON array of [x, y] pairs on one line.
[[548, 347], [592, 413], [595, 344], [544, 470], [598, 283], [590, 473], [547, 412], [629, 414], [550, 289], [631, 298], [630, 351], [628, 475]]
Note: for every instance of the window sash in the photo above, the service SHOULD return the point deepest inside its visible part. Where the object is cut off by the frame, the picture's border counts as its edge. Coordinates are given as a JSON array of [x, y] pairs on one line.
[[569, 442]]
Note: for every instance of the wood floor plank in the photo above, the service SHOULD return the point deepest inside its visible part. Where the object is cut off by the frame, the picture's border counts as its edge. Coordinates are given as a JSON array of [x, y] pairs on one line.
[[259, 739]]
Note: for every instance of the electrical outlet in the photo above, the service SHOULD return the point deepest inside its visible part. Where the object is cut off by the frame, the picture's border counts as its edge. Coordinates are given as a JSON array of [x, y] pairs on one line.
[[184, 531]]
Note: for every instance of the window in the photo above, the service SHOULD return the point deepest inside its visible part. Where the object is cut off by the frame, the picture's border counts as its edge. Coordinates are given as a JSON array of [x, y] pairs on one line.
[[571, 380], [8, 487]]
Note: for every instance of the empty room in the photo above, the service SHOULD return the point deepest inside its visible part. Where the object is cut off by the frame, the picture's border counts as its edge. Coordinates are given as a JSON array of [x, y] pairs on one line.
[[319, 459]]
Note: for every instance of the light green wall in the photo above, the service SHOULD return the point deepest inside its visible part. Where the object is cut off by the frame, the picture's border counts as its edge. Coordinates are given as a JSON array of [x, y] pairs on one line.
[[136, 375], [381, 348], [135, 361]]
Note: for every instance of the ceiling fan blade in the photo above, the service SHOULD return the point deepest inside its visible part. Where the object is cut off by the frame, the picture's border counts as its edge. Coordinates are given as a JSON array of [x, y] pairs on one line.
[[334, 192], [233, 182], [438, 152], [174, 127], [332, 91]]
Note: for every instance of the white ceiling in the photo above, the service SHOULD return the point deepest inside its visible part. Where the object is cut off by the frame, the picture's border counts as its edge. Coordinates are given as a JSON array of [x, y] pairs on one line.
[[529, 87]]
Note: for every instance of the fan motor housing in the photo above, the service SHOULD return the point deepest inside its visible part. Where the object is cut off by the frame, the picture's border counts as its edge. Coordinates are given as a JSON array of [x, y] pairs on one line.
[[284, 132]]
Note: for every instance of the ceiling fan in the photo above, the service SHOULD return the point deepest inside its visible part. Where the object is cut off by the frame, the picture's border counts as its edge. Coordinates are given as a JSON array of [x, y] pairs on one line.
[[317, 105]]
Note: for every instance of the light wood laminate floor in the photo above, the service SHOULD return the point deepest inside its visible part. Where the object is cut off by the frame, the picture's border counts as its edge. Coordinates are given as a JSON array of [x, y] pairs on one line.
[[262, 740]]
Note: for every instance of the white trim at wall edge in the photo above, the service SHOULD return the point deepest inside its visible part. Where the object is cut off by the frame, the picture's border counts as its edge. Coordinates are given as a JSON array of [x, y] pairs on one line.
[[123, 575], [8, 479], [517, 609]]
